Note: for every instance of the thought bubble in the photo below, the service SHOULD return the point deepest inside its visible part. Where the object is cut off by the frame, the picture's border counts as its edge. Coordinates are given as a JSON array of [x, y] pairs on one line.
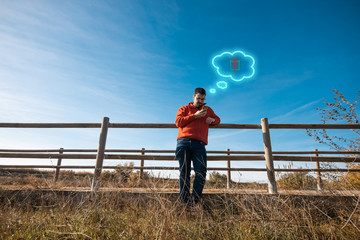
[[235, 65], [222, 84]]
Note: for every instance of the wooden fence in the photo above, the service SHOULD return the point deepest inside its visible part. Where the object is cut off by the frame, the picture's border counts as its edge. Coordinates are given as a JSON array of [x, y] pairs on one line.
[[121, 154]]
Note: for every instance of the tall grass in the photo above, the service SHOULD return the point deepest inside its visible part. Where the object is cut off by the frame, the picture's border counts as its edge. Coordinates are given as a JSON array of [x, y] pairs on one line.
[[36, 179], [33, 213], [116, 215]]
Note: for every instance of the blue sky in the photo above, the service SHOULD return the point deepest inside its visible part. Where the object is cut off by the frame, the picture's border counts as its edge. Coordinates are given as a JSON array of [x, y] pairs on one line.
[[139, 61]]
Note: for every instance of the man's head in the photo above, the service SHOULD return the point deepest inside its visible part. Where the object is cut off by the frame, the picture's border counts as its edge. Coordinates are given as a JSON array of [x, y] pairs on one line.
[[199, 97]]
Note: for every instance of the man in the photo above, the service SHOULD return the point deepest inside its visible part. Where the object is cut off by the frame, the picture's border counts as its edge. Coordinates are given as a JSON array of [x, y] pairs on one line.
[[193, 121]]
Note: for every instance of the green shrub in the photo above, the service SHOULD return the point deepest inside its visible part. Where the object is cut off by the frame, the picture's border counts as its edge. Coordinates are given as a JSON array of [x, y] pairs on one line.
[[297, 181]]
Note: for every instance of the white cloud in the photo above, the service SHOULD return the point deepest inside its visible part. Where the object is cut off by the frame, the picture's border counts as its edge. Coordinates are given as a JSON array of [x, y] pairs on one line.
[[290, 115], [18, 108]]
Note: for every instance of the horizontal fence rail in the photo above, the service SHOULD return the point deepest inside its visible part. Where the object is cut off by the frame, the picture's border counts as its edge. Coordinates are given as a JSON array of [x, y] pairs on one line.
[[170, 125], [177, 168], [172, 157], [173, 151], [163, 155]]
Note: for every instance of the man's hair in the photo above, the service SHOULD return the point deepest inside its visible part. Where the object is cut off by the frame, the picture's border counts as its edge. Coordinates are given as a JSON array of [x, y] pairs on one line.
[[200, 90]]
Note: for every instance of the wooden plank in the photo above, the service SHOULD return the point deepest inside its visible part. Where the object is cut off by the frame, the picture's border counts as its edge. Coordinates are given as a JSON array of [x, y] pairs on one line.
[[58, 166], [100, 154], [172, 157], [338, 152], [141, 172], [48, 155], [171, 125], [46, 150], [46, 166], [272, 188], [50, 125], [228, 179], [314, 159], [236, 126], [126, 157], [177, 168], [210, 168], [239, 169], [314, 126], [317, 170], [173, 151], [135, 167], [142, 125], [318, 174]]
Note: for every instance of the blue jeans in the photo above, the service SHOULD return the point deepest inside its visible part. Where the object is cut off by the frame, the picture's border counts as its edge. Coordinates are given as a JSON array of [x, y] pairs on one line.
[[188, 149]]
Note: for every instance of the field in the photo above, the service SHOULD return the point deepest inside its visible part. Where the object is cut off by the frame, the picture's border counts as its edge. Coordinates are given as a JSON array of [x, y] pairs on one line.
[[41, 209]]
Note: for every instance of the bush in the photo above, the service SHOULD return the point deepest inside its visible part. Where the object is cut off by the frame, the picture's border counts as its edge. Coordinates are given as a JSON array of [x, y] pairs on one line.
[[297, 181], [351, 180], [217, 179], [125, 174]]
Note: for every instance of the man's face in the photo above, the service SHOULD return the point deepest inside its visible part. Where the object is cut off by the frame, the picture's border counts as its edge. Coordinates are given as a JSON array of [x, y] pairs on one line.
[[198, 99]]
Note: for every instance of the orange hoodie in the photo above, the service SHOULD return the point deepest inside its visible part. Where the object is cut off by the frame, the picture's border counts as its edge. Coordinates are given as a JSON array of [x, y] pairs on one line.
[[190, 127]]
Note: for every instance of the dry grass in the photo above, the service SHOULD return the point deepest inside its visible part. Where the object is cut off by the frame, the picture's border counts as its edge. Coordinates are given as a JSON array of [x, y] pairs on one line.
[[110, 215], [52, 214], [40, 179]]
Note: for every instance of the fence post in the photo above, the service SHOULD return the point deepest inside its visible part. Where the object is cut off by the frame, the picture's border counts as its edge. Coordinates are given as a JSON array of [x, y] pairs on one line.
[[318, 174], [272, 188], [100, 154], [228, 170], [57, 172], [141, 174]]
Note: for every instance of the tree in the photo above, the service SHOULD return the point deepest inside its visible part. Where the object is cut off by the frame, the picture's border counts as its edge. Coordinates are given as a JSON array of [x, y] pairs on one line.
[[343, 111], [339, 111]]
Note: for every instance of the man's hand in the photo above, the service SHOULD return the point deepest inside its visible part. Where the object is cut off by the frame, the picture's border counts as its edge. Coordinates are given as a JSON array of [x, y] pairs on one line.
[[210, 120], [200, 114]]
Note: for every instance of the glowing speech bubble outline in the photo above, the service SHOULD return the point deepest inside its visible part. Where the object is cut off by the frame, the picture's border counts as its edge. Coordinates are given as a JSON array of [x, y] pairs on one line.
[[222, 84], [231, 54]]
